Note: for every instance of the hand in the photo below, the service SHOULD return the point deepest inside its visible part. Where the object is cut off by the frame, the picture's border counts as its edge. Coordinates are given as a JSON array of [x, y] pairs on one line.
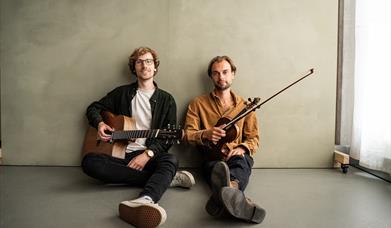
[[238, 151], [214, 134], [102, 128], [139, 162]]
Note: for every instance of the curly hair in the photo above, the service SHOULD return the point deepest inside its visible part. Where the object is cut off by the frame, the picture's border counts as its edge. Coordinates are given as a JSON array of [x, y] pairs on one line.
[[220, 59], [139, 52]]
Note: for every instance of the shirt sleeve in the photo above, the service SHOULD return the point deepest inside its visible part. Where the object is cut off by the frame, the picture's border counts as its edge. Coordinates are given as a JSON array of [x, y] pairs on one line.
[[94, 109], [250, 137], [193, 131]]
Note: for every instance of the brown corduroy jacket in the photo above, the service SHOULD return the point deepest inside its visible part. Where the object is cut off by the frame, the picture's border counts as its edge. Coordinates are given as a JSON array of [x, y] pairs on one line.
[[204, 111]]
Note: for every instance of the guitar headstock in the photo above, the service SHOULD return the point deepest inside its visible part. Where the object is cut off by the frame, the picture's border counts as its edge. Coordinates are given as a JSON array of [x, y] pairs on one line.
[[171, 134]]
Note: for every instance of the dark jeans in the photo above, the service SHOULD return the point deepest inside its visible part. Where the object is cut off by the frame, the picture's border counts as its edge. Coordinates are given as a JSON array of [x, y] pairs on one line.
[[155, 178], [239, 167]]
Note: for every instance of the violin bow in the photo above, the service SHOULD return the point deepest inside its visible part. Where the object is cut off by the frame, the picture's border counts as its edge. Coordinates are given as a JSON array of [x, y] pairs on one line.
[[243, 114]]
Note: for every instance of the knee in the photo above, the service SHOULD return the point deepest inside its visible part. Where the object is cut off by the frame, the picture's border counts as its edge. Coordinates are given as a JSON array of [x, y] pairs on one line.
[[91, 163], [86, 161], [170, 159], [236, 159], [239, 161], [173, 160]]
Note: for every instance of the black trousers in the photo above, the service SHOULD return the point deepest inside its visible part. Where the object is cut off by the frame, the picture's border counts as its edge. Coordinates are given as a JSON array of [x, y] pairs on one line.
[[239, 167], [155, 178]]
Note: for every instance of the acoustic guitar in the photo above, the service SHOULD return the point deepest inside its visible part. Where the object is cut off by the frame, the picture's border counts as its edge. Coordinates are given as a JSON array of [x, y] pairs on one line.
[[123, 132]]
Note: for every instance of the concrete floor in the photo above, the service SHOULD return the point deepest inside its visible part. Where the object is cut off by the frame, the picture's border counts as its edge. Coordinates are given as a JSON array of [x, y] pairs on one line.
[[46, 197]]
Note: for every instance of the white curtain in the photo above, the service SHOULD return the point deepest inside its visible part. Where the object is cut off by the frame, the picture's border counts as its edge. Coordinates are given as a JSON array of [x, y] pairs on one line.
[[371, 135]]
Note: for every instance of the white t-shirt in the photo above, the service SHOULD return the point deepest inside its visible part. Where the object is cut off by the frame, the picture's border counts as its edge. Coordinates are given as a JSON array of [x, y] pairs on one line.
[[142, 115]]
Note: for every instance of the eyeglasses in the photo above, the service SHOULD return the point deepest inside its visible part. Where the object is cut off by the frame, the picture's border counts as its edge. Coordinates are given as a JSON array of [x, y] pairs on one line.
[[145, 61]]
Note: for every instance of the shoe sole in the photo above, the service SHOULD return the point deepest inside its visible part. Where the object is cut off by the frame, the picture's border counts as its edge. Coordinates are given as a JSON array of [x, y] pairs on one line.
[[220, 177], [141, 216], [235, 202]]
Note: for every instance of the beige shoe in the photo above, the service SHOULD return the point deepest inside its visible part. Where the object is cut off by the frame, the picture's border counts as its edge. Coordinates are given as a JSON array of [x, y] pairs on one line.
[[142, 213], [183, 179]]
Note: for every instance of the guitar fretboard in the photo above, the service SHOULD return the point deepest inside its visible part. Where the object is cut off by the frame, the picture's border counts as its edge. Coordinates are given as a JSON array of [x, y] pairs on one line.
[[121, 135]]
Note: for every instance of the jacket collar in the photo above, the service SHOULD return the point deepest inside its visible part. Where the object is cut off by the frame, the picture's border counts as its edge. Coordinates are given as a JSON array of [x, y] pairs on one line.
[[235, 97]]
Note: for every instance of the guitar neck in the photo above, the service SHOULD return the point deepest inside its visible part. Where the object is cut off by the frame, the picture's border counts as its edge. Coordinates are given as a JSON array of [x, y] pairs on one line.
[[132, 134]]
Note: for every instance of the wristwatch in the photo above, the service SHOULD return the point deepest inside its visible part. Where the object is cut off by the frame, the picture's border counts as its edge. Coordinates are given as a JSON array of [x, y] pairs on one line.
[[150, 153]]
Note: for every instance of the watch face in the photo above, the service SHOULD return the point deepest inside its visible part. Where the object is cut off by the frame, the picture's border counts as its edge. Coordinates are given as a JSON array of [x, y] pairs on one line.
[[150, 153]]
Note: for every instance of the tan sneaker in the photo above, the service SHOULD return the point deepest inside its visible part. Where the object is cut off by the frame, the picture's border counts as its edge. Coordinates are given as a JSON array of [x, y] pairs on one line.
[[142, 213], [183, 179]]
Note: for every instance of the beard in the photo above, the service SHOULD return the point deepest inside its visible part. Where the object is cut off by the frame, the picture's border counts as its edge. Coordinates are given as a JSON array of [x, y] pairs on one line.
[[222, 87]]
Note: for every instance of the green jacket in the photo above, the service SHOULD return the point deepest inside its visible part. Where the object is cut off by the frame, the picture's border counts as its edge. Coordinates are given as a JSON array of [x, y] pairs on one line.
[[118, 101]]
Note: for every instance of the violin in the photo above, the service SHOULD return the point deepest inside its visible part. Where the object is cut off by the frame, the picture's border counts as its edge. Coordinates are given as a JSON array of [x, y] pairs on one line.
[[231, 130]]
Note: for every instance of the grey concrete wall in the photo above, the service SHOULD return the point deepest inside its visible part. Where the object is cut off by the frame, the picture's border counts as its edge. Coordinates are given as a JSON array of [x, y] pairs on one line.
[[59, 56]]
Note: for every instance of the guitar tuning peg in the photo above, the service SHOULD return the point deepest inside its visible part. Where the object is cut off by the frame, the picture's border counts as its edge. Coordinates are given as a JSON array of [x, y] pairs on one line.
[[168, 126]]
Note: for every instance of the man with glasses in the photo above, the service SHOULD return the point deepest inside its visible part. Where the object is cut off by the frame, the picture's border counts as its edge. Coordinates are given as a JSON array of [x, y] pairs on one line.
[[228, 173], [147, 162]]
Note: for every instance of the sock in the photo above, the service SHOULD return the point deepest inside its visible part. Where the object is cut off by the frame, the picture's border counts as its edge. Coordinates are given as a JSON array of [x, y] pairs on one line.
[[147, 198]]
